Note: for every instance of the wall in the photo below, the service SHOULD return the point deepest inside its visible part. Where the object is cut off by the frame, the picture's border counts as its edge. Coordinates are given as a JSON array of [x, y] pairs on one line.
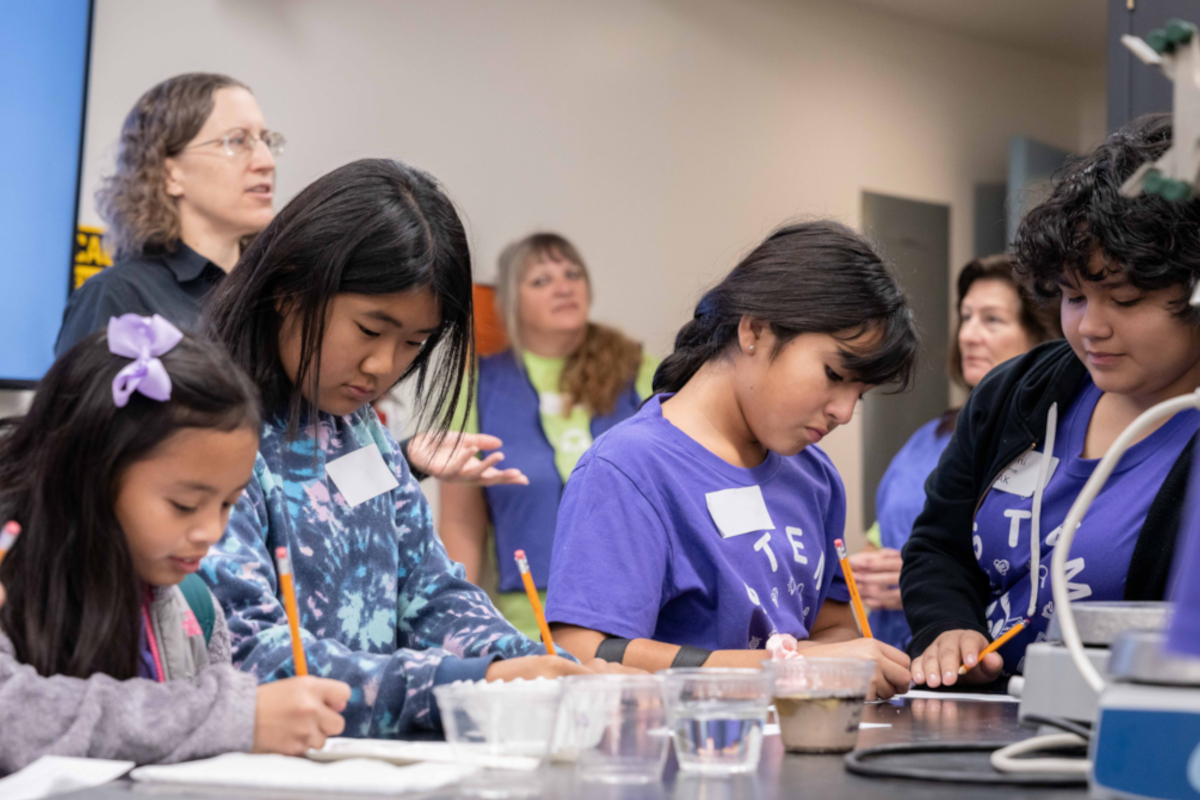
[[665, 137]]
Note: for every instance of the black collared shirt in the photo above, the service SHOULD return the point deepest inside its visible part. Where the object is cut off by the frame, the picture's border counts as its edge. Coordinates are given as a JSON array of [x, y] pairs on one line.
[[171, 284]]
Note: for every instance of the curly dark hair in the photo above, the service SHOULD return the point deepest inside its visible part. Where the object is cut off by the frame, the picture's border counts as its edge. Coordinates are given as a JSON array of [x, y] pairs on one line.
[[1154, 242]]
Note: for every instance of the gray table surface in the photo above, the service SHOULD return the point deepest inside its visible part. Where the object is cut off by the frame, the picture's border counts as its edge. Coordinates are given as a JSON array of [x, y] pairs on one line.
[[780, 774]]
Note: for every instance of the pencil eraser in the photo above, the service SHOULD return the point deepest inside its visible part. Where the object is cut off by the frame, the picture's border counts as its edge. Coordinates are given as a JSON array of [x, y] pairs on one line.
[[838, 543], [13, 527], [519, 554], [281, 552]]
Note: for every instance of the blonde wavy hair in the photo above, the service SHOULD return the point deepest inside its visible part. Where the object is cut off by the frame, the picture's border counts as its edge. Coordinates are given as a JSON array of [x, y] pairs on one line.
[[134, 200], [605, 364]]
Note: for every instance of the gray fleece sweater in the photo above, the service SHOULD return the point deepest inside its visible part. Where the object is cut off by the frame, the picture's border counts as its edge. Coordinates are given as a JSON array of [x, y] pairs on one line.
[[134, 720]]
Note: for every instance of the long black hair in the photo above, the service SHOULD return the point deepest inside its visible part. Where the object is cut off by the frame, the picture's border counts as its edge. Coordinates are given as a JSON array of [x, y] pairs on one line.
[[372, 227], [1154, 242], [72, 604], [810, 277]]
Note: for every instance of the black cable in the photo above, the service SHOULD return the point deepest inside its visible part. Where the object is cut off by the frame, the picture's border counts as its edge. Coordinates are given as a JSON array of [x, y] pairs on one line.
[[1070, 726], [861, 762]]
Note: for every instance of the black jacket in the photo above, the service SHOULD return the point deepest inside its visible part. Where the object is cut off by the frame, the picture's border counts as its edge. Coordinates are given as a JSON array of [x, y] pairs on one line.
[[941, 584]]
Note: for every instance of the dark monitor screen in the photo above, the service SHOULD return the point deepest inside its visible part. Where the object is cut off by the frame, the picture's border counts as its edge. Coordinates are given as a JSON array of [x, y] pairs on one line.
[[44, 48]]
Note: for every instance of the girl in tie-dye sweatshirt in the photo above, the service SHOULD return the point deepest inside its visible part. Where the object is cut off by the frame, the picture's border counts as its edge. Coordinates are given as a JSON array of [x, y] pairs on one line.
[[363, 279]]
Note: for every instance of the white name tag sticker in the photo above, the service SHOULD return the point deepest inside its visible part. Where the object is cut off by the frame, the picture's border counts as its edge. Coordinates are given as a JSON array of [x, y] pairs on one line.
[[739, 511], [1020, 477], [362, 475]]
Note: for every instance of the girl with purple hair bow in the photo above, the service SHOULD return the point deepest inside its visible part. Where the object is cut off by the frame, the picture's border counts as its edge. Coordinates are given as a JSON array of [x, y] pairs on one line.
[[121, 476]]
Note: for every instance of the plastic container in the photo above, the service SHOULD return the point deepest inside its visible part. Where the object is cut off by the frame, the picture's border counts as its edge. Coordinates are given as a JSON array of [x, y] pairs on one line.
[[505, 727], [614, 727], [716, 717], [819, 702]]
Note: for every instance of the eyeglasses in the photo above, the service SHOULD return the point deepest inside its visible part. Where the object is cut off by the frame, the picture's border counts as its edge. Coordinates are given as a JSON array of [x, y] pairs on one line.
[[242, 142]]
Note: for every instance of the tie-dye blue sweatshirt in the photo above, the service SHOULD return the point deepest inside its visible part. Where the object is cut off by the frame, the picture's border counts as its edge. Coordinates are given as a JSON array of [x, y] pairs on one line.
[[382, 607]]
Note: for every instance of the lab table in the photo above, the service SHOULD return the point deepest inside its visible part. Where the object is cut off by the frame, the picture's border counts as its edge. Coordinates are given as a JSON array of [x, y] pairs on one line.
[[780, 774]]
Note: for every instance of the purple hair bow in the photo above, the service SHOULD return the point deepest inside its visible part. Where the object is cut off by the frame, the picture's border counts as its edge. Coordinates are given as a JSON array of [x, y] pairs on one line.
[[143, 339]]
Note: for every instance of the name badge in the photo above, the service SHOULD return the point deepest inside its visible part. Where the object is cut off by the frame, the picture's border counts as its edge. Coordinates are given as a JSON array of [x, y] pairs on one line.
[[1020, 477], [738, 511], [362, 475]]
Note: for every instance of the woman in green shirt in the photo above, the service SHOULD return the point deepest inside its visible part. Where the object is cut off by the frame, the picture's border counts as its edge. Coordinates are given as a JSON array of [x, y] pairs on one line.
[[563, 382]]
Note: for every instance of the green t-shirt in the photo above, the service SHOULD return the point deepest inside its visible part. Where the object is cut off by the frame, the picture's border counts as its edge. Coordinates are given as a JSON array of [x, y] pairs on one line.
[[570, 436]]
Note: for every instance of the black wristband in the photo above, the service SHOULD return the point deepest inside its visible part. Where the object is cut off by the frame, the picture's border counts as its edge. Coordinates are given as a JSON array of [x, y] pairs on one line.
[[689, 656], [612, 650], [417, 474]]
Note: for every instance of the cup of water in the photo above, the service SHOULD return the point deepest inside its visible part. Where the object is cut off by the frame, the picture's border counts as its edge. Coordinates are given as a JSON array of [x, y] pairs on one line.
[[819, 702], [614, 727], [717, 717]]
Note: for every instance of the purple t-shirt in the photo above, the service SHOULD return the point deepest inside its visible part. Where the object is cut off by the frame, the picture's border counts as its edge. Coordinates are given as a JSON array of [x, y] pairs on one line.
[[658, 538], [1104, 543]]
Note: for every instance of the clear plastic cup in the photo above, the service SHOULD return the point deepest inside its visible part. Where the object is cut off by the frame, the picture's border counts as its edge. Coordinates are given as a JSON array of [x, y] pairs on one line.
[[614, 727], [716, 718], [819, 702], [506, 728]]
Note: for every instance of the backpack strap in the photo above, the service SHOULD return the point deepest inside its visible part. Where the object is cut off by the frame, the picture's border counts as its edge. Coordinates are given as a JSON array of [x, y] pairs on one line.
[[200, 600]]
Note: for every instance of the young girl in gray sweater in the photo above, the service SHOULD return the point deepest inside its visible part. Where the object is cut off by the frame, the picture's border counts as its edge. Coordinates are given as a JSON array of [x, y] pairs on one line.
[[122, 475]]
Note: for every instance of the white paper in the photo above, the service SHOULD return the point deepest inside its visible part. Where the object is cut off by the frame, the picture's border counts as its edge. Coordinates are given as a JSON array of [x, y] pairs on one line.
[[739, 511], [51, 775], [362, 475], [396, 751], [283, 773], [1020, 477], [772, 729], [917, 694]]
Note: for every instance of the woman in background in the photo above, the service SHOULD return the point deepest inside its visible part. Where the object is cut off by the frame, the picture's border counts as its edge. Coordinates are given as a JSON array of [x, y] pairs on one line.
[[195, 176], [997, 320], [564, 381]]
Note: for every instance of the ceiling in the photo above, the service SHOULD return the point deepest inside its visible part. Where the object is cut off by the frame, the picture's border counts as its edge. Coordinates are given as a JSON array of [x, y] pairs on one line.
[[1073, 30]]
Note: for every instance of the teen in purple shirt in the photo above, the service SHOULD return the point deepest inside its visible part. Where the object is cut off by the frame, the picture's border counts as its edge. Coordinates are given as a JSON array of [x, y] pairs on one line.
[[690, 533], [1122, 270]]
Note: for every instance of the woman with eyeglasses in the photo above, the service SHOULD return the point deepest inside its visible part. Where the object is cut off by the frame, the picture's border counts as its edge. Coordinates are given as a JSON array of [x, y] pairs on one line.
[[195, 176]]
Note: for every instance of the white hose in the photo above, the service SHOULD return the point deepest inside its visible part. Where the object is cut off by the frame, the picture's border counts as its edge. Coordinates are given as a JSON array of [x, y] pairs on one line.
[[1062, 549], [1035, 530], [1003, 759]]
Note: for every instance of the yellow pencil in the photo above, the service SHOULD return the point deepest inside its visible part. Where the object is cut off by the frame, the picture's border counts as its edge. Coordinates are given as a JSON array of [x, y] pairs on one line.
[[996, 645], [860, 611], [531, 590], [12, 529], [293, 612]]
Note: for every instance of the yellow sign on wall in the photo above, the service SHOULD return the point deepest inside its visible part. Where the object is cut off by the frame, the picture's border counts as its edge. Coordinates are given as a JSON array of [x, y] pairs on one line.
[[90, 256]]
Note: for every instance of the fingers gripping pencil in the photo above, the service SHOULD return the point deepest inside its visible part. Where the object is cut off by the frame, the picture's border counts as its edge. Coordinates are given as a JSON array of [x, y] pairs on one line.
[[284, 562], [996, 645]]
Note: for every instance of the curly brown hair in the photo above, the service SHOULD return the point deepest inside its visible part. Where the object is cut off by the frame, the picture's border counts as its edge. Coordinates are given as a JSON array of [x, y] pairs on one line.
[[605, 364], [134, 200]]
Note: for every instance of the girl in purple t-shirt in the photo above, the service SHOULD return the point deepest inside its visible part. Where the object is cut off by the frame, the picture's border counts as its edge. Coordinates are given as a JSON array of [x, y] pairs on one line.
[[692, 532]]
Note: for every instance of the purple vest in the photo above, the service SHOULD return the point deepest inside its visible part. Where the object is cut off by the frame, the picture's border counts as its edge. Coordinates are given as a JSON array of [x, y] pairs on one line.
[[524, 517]]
